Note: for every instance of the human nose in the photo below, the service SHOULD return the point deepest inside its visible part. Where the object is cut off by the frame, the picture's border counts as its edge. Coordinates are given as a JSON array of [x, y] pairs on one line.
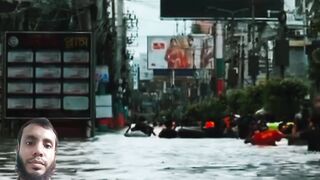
[[38, 150]]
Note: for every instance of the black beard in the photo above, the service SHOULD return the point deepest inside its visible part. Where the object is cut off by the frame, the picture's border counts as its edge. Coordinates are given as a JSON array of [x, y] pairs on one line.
[[23, 174]]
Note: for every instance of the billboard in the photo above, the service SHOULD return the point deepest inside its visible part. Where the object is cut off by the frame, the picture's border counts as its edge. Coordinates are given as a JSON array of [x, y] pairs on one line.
[[180, 52], [220, 9]]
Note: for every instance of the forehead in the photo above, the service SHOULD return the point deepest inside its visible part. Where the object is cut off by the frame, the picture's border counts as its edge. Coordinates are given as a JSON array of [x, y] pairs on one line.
[[38, 132]]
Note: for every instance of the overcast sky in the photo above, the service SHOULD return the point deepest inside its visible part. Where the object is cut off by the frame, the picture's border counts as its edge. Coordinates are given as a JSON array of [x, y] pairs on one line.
[[148, 13]]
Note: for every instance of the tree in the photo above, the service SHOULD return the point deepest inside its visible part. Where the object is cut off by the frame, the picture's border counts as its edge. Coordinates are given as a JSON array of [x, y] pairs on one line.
[[313, 7]]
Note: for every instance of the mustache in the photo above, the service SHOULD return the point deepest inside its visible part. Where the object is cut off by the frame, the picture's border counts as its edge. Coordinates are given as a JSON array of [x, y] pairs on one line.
[[37, 160]]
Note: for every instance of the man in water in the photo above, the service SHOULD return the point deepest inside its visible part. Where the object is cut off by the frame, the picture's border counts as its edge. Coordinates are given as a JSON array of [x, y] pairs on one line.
[[312, 134], [142, 126], [169, 130], [36, 150]]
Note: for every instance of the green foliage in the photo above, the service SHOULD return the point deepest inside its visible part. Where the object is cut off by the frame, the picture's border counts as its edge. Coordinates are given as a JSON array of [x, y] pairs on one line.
[[245, 101], [283, 98], [212, 108]]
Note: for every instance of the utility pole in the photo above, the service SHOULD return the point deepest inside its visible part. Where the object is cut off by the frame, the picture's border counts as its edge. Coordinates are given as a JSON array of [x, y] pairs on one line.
[[253, 23], [119, 39], [267, 61], [119, 56], [242, 63]]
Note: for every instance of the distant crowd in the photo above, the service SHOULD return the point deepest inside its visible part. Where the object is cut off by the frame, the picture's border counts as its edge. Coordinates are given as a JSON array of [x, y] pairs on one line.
[[257, 129]]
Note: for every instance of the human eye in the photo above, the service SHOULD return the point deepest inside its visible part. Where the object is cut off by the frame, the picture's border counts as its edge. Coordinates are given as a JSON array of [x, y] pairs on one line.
[[48, 146], [29, 142]]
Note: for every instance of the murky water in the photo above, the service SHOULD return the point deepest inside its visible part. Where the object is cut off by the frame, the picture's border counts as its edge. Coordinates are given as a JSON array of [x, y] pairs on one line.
[[113, 156]]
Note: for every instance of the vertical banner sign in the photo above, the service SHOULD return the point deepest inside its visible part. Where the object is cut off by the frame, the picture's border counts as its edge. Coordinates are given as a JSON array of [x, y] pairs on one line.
[[48, 74], [135, 76], [220, 69]]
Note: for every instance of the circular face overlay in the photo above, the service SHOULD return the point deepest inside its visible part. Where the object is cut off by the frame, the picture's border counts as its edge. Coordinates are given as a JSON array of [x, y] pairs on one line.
[[13, 41]]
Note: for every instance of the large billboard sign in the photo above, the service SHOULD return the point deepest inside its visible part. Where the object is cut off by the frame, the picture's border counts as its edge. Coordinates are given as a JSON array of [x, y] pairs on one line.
[[220, 9], [180, 52]]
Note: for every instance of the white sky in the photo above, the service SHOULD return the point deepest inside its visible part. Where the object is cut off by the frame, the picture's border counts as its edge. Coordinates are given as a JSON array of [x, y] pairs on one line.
[[148, 13]]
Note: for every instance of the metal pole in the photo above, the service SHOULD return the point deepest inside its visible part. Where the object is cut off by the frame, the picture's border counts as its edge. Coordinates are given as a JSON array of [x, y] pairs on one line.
[[242, 67], [267, 62], [120, 37], [253, 24], [305, 22], [113, 15], [173, 78]]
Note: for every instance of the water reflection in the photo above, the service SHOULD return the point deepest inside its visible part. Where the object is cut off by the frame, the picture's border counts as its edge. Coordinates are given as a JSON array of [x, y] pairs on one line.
[[7, 158], [113, 156]]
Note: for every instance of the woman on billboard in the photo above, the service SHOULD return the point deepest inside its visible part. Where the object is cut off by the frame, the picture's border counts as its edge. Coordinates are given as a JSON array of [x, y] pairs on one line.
[[176, 55]]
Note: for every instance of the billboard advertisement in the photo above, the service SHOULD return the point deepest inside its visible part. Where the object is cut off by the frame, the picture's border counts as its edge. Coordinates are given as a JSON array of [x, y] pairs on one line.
[[180, 52]]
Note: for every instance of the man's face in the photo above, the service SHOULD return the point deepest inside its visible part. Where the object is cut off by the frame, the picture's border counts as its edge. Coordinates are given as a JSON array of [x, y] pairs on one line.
[[37, 150]]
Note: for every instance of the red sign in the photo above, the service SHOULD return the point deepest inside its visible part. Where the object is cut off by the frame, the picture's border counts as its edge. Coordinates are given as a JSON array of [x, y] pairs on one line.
[[158, 46]]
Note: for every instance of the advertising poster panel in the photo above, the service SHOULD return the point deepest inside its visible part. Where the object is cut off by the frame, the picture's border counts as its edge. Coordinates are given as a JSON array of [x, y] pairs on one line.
[[180, 52]]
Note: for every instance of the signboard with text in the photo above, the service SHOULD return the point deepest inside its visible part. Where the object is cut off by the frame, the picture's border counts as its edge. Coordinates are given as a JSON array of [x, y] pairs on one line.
[[48, 74]]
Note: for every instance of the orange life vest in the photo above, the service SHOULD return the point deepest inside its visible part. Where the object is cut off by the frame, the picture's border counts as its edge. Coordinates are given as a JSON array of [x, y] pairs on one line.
[[268, 137]]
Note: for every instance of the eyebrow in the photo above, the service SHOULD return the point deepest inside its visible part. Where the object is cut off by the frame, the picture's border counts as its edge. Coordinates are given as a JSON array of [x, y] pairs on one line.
[[32, 137]]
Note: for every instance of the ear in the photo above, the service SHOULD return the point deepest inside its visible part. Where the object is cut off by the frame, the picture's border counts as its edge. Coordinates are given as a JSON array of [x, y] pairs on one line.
[[17, 148]]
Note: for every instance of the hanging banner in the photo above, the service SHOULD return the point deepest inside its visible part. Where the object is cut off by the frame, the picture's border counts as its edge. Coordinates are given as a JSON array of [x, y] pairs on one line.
[[145, 74]]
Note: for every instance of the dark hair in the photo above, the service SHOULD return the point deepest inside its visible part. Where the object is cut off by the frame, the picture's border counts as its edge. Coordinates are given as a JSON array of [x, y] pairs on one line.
[[168, 123], [43, 122]]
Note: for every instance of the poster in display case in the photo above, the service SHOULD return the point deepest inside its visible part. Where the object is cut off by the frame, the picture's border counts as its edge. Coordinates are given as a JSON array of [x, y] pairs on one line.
[[48, 57], [48, 72], [48, 103], [20, 103], [75, 103], [75, 88], [20, 88], [76, 56], [48, 88], [20, 72], [20, 56], [75, 72]]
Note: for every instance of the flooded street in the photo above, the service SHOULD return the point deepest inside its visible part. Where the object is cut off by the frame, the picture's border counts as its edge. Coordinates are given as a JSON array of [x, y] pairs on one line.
[[113, 156]]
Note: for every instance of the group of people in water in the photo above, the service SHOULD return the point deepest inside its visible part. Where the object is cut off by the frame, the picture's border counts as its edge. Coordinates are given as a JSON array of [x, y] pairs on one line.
[[303, 130]]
